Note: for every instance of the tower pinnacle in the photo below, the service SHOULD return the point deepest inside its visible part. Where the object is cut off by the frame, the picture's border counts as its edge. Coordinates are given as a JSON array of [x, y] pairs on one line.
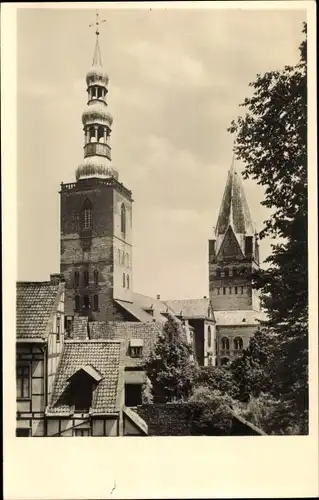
[[96, 119]]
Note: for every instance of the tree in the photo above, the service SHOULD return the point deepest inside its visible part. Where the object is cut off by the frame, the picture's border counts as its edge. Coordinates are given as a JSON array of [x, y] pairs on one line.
[[216, 379], [211, 411], [169, 366], [253, 370], [271, 140]]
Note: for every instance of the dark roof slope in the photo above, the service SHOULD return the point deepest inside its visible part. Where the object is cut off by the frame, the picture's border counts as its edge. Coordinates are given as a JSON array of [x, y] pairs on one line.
[[191, 308], [36, 303], [107, 357]]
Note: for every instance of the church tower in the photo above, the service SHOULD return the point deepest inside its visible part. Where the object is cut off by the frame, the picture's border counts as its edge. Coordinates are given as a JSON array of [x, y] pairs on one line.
[[96, 214], [233, 252]]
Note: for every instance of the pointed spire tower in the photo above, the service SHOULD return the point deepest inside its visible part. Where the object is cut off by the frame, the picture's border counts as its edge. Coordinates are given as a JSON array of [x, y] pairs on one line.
[[97, 120], [233, 251]]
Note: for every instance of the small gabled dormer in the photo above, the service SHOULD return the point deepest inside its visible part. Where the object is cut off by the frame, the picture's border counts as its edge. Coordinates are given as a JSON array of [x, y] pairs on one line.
[[83, 382], [136, 348], [149, 310]]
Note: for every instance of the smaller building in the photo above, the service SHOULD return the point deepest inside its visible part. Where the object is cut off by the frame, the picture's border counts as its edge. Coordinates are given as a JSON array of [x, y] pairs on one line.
[[199, 314], [39, 342]]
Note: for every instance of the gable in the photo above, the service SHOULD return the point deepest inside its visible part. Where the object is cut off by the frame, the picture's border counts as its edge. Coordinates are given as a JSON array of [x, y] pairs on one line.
[[230, 247]]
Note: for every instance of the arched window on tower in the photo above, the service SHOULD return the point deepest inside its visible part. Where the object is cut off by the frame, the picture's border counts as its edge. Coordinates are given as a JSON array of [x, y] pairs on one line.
[[96, 277], [100, 134], [127, 281], [77, 303], [76, 279], [92, 134], [218, 272], [238, 343], [96, 302], [123, 280], [86, 278], [87, 214], [209, 336], [224, 343], [123, 219], [226, 271]]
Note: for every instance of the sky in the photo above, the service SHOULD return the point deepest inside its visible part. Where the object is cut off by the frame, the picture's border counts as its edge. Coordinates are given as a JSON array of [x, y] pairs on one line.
[[177, 78]]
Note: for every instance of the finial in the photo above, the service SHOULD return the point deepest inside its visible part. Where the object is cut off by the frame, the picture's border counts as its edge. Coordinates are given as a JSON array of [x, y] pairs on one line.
[[97, 60]]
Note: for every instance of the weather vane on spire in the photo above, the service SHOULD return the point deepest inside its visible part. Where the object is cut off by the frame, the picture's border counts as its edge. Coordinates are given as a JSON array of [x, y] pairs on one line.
[[97, 59], [97, 23]]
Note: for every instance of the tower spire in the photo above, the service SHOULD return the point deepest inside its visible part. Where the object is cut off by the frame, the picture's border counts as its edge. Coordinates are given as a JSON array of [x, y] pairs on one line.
[[97, 59], [97, 121]]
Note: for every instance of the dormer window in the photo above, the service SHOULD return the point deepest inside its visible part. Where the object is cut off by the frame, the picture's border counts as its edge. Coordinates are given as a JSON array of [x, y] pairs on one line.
[[82, 385], [136, 348]]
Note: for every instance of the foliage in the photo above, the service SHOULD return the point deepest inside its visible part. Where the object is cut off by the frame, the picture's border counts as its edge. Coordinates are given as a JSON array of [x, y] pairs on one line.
[[271, 140], [271, 415], [169, 366], [147, 396], [212, 413], [217, 379]]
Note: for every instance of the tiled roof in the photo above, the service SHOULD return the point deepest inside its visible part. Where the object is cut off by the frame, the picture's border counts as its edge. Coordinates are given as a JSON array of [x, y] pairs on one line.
[[141, 303], [36, 304], [127, 330], [107, 358], [80, 328], [191, 308], [236, 318]]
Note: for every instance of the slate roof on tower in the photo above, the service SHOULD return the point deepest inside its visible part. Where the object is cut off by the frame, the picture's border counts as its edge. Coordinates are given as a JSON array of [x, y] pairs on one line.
[[36, 303], [234, 210], [104, 356]]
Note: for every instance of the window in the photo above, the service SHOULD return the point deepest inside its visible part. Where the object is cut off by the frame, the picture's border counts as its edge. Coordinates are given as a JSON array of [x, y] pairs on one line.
[[123, 280], [127, 281], [23, 381], [226, 271], [81, 432], [234, 271], [96, 302], [238, 343], [224, 291], [242, 290], [136, 352], [92, 133], [77, 303], [236, 290], [127, 260], [22, 432], [86, 301], [86, 278], [76, 279], [87, 214], [123, 219], [123, 258], [218, 291], [133, 395], [218, 272], [209, 336], [96, 277], [225, 343], [100, 134], [210, 361], [242, 270], [58, 328], [230, 290], [119, 255]]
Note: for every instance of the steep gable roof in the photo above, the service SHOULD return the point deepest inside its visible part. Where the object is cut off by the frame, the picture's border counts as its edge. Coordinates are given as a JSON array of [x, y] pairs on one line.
[[107, 358], [36, 302]]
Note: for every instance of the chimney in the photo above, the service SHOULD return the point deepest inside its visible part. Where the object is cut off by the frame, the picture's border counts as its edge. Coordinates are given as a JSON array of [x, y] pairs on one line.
[[158, 297], [57, 278]]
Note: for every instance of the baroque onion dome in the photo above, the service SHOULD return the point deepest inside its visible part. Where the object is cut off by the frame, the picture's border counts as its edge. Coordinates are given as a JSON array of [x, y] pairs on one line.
[[97, 122], [234, 211]]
